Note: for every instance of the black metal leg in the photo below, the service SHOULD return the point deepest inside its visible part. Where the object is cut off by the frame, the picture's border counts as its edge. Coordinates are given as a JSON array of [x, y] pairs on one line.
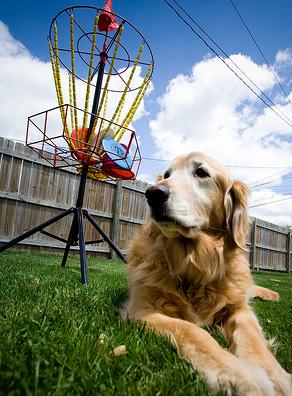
[[105, 237], [28, 233], [72, 238], [65, 255], [83, 265]]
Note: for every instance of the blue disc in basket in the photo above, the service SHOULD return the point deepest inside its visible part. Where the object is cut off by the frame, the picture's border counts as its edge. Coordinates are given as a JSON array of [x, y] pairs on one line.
[[117, 153]]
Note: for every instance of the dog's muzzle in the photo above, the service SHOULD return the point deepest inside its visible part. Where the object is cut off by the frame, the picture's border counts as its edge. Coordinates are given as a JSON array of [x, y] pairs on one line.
[[157, 195]]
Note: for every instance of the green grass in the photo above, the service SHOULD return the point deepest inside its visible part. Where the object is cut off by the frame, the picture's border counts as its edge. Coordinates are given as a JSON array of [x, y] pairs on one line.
[[276, 318], [51, 327]]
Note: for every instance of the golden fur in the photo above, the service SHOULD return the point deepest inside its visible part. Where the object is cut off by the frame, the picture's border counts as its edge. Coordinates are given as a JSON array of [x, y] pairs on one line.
[[187, 269]]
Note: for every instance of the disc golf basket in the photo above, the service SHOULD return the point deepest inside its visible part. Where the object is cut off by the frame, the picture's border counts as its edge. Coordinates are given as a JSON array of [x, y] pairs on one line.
[[93, 69]]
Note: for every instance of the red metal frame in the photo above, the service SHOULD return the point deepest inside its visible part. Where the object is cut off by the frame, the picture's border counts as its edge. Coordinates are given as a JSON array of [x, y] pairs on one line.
[[53, 143]]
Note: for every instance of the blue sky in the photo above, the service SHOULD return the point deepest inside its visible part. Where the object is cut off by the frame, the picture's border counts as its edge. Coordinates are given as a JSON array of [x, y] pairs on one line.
[[184, 68], [175, 48]]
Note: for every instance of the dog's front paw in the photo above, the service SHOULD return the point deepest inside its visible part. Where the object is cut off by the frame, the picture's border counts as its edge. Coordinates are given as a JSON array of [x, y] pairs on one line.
[[264, 293], [282, 382], [243, 382]]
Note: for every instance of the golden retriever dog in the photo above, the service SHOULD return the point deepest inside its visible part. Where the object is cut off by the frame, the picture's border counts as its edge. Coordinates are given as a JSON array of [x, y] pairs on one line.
[[188, 269]]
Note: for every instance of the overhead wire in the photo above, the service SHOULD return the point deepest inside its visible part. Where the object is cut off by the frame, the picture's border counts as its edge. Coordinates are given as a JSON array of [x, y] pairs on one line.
[[282, 187], [258, 47], [287, 120], [288, 176], [267, 63], [279, 113], [258, 181], [272, 195], [164, 160], [253, 206], [258, 167], [227, 165], [270, 202], [276, 188], [283, 190]]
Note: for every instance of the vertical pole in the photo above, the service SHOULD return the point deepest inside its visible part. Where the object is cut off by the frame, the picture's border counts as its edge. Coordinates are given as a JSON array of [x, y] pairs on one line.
[[76, 222], [117, 204], [98, 86], [82, 184], [288, 266], [253, 243], [97, 92], [82, 250]]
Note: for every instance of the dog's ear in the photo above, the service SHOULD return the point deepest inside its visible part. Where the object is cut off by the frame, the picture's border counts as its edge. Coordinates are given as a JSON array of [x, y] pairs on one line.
[[236, 203]]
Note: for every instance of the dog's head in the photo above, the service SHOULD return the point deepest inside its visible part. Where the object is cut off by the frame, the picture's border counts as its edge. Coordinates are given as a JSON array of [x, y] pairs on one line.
[[197, 193]]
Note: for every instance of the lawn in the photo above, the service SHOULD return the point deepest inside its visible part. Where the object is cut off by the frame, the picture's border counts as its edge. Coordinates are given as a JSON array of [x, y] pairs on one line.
[[58, 337]]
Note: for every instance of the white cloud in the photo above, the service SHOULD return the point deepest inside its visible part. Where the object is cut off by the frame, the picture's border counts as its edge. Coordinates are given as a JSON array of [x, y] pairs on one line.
[[281, 209], [26, 86], [147, 178], [284, 57], [212, 111], [9, 46]]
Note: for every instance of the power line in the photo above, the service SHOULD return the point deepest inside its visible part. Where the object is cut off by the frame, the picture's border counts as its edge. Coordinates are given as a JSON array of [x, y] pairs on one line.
[[256, 183], [282, 187], [229, 166], [258, 167], [228, 57], [289, 176], [272, 195], [275, 189], [261, 52], [155, 159], [283, 116], [270, 202]]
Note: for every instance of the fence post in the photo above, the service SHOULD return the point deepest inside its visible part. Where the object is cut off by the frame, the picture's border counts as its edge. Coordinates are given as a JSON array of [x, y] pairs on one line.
[[253, 243], [288, 267], [117, 204]]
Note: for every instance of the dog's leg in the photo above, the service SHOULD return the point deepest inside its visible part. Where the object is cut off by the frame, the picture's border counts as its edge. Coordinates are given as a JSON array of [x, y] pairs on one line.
[[264, 293], [249, 344], [221, 369]]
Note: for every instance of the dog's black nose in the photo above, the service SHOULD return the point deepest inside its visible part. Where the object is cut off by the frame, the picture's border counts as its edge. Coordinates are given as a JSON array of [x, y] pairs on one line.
[[157, 195]]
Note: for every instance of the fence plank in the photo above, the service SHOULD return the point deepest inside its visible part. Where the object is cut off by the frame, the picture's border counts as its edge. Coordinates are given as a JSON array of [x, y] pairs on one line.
[[288, 267], [253, 243]]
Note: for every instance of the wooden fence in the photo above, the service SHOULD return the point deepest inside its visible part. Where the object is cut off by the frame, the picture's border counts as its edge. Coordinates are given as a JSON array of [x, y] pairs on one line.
[[32, 191], [269, 246]]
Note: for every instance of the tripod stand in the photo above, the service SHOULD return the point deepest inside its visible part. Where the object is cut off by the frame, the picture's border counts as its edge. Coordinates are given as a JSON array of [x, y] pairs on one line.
[[76, 234]]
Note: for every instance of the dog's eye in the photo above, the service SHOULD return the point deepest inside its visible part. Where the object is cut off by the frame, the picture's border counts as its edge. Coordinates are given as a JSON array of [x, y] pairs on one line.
[[166, 175], [201, 172]]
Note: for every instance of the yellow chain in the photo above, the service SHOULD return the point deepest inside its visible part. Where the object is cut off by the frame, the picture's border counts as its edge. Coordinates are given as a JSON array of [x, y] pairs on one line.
[[73, 72], [57, 76], [122, 99], [85, 117], [105, 89], [128, 118]]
